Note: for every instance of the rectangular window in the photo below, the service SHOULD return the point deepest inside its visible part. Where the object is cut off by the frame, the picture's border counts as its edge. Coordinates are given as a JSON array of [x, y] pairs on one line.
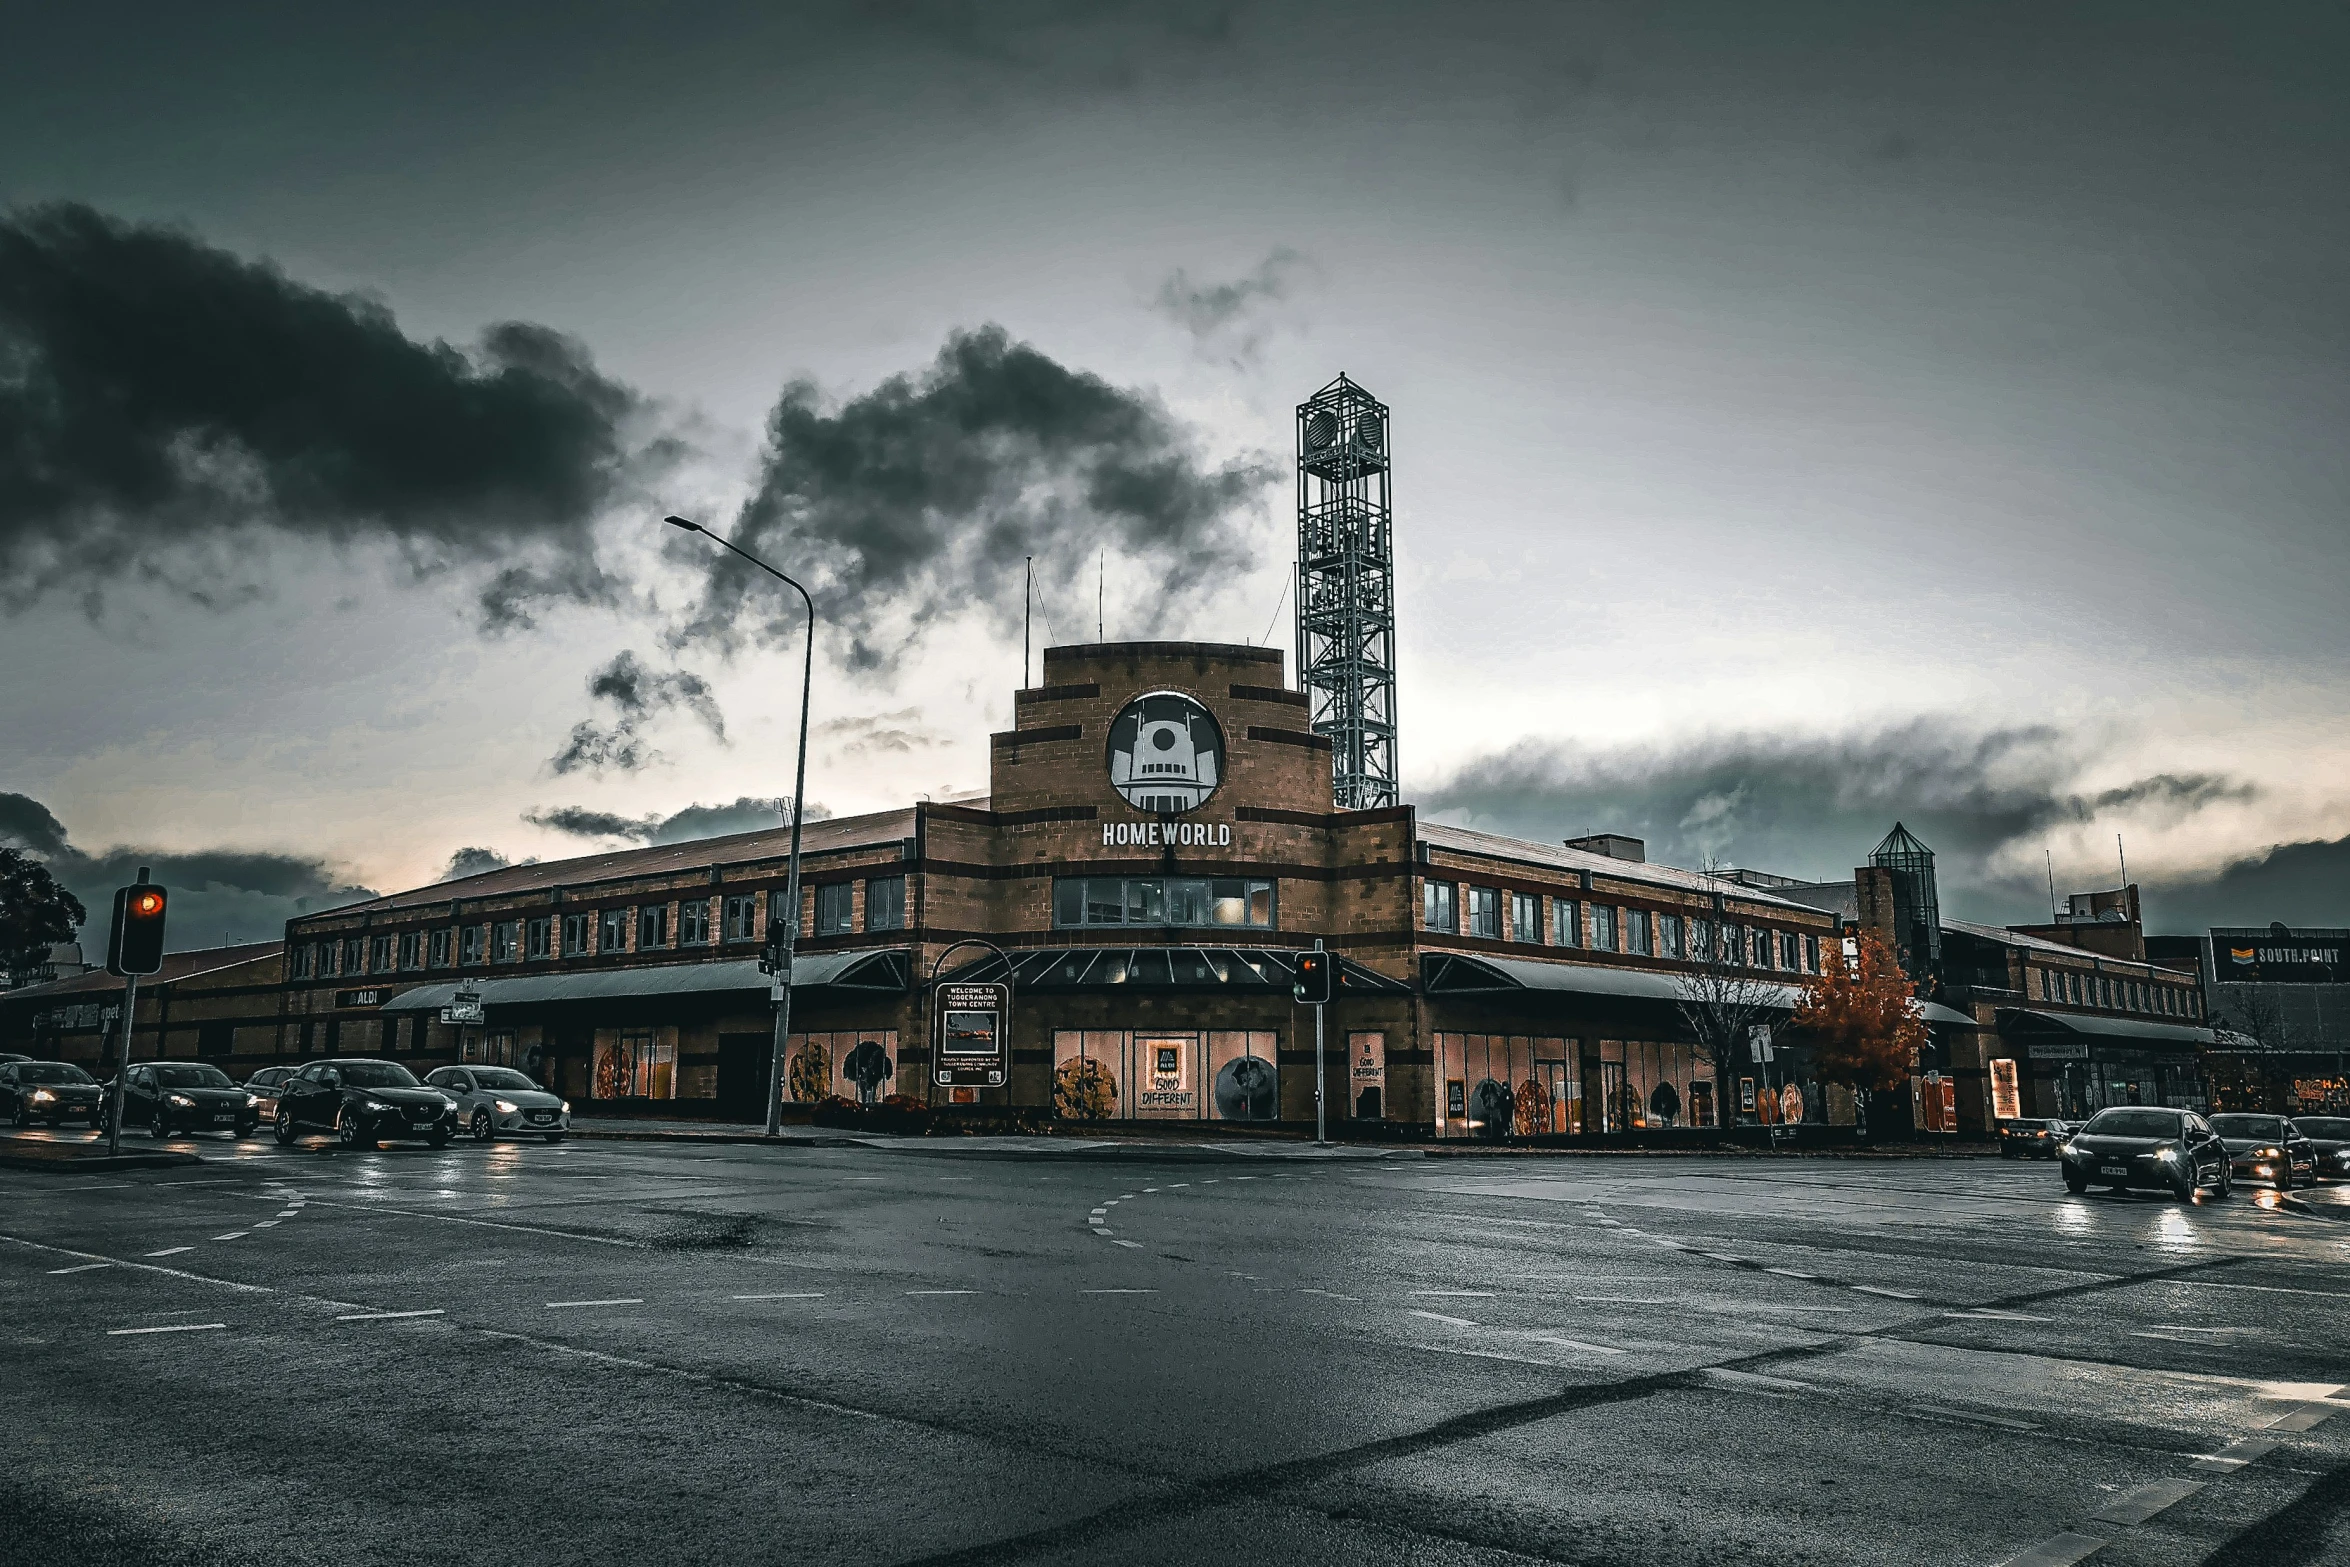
[[1636, 931], [833, 906], [1603, 927], [780, 914], [1485, 912], [354, 955], [536, 937], [1153, 900], [412, 950], [636, 1064], [506, 942], [1733, 944], [693, 922], [379, 955], [1765, 948], [1790, 950], [1525, 917], [885, 903], [577, 928], [298, 961], [741, 915], [1566, 922], [1668, 936], [1811, 954], [1439, 906], [612, 930], [471, 940], [652, 928], [440, 947]]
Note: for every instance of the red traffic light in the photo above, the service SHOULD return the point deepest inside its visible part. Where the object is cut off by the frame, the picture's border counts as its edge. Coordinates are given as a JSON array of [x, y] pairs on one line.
[[135, 943], [146, 903], [1313, 978]]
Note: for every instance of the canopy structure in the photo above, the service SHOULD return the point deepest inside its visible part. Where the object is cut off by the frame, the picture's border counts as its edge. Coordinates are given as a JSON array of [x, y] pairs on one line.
[[1456, 974], [1228, 969], [866, 971], [2121, 1030]]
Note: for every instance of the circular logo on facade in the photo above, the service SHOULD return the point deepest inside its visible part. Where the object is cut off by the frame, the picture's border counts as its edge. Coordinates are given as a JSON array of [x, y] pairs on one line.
[[1166, 753]]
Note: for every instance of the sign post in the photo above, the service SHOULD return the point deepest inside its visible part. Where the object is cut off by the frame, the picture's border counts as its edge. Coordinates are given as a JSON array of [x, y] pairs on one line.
[[1313, 988], [973, 1031], [134, 946]]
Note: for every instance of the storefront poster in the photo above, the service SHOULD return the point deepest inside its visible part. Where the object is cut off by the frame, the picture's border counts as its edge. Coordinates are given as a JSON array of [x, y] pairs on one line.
[[2006, 1098]]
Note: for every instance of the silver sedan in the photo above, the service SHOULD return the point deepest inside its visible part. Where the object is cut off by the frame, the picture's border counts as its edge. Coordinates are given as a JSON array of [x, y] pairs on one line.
[[494, 1100]]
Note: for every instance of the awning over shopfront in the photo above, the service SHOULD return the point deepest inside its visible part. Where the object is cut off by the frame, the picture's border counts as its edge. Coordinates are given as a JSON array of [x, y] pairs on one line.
[[855, 971], [1222, 969], [1455, 974], [2127, 1031]]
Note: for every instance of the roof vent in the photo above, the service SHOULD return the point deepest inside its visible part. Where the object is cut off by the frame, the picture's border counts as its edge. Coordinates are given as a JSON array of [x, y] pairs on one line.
[[1615, 845]]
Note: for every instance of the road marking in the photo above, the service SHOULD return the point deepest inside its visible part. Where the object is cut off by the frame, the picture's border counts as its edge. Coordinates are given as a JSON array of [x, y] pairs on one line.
[[1757, 1379], [1098, 1212], [170, 1251], [1120, 1292], [1149, 1189], [265, 1224], [1126, 1196], [176, 1327], [1972, 1418], [1129, 1245], [2302, 1419], [82, 1267], [1575, 1343], [1721, 1256], [1486, 1354], [1879, 1289], [390, 1316], [1620, 1300], [2235, 1455], [558, 1305], [288, 1213], [1178, 1186], [1986, 1314], [2133, 1507], [1463, 1294], [1434, 1316], [1790, 1273], [1326, 1294], [2058, 1550], [794, 1295], [233, 1235], [942, 1292]]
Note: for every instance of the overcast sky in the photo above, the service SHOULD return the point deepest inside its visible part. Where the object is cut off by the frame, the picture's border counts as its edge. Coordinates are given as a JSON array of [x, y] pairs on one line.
[[1805, 415]]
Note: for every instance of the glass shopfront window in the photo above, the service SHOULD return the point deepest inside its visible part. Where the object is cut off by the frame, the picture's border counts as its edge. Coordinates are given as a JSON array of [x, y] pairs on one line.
[[1121, 1075], [636, 1064], [1162, 901], [1508, 1085]]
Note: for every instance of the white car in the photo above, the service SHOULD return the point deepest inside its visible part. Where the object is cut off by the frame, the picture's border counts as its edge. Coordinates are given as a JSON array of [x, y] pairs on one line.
[[495, 1099]]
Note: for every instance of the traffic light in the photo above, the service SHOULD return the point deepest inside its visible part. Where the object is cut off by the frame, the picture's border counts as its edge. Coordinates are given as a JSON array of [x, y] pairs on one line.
[[1313, 978], [135, 944]]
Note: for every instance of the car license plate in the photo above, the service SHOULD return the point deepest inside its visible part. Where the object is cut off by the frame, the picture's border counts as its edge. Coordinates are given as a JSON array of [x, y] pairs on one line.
[[2113, 1169]]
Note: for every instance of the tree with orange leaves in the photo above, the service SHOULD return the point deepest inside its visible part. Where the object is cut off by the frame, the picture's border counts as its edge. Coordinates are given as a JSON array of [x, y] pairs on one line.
[[1864, 1026]]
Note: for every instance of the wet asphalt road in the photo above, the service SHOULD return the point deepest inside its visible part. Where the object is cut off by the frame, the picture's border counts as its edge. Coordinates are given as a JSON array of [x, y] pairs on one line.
[[957, 1352]]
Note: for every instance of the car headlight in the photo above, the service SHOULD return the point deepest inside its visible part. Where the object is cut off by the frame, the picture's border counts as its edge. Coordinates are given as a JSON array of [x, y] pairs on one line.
[[375, 1105], [42, 1096], [251, 1100], [2070, 1149], [2269, 1153], [507, 1107], [2167, 1155], [183, 1101], [566, 1107]]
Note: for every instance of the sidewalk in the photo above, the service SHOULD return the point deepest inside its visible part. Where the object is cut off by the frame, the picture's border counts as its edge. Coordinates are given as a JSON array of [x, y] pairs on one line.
[[634, 1129], [83, 1157]]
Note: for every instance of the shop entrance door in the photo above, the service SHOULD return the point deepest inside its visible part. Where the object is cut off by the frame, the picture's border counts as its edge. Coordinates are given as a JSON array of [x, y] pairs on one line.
[[1611, 1096], [1558, 1092], [742, 1075]]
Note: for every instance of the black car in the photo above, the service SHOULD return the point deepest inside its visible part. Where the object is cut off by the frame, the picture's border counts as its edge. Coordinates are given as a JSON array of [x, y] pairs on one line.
[[265, 1085], [363, 1103], [50, 1091], [175, 1098], [2021, 1139], [2329, 1139], [2268, 1148], [2141, 1145]]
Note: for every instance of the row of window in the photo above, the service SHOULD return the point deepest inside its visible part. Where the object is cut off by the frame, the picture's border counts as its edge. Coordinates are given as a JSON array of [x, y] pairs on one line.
[[1455, 909], [1162, 900], [2116, 995], [593, 931]]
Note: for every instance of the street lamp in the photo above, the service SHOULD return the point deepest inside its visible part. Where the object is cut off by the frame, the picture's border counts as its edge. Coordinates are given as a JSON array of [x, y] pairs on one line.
[[781, 951]]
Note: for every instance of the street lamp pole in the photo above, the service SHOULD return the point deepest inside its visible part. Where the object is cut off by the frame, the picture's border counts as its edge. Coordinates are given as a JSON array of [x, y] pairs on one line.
[[784, 948]]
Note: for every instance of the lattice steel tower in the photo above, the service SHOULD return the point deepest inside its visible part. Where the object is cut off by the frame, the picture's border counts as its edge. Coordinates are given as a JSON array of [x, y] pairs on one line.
[[1346, 588]]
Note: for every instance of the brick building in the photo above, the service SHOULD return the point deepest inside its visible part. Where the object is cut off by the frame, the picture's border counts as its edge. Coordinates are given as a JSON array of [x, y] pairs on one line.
[[226, 1005], [1156, 845]]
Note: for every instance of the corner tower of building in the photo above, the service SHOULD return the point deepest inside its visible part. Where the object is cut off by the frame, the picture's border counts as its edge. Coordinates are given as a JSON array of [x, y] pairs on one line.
[[1346, 589]]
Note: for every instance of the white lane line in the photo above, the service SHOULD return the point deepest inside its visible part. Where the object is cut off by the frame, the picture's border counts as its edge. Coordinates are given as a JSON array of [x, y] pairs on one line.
[[1126, 1196], [1326, 1294], [176, 1327], [2235, 1455], [1129, 1245], [2302, 1419], [2133, 1507], [288, 1213], [1878, 1289], [1721, 1256], [1436, 1316], [1099, 1212], [233, 1235], [1756, 1379], [170, 1251], [1619, 1300], [2058, 1550], [1972, 1418], [1790, 1273], [942, 1292], [1486, 1354], [1461, 1294], [559, 1305], [789, 1295], [489, 1224], [1574, 1343], [265, 1224], [82, 1267], [1149, 1189], [390, 1316], [1119, 1292], [1986, 1314]]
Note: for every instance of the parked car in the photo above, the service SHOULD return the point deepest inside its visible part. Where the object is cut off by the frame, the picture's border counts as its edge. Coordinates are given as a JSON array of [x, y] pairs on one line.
[[2267, 1148], [177, 1098], [7, 1056], [2142, 1145], [2024, 1139], [50, 1092], [495, 1099], [363, 1103], [2329, 1139], [265, 1085]]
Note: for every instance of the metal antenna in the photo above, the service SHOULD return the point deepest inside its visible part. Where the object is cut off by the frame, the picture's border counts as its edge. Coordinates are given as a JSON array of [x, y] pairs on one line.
[[2051, 853], [1027, 601], [1101, 590]]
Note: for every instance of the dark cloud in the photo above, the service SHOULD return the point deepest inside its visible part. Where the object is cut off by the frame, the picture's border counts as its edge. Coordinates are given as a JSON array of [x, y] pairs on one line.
[[749, 813], [217, 896], [900, 733], [1077, 46], [638, 696], [163, 403], [918, 500], [2297, 883], [472, 862], [1814, 807], [1227, 320]]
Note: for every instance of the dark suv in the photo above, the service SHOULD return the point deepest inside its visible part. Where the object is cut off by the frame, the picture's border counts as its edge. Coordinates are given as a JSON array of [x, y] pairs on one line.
[[175, 1098], [51, 1091], [363, 1103]]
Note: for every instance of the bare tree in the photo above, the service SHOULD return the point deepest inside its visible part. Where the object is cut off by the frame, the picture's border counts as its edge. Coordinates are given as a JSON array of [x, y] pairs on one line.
[[1722, 1002]]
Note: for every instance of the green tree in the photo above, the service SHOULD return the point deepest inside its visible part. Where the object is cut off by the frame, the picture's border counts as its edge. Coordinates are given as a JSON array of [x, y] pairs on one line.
[[35, 912]]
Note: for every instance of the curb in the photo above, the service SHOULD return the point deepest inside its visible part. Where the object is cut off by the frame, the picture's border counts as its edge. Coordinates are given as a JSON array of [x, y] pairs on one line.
[[77, 1163]]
